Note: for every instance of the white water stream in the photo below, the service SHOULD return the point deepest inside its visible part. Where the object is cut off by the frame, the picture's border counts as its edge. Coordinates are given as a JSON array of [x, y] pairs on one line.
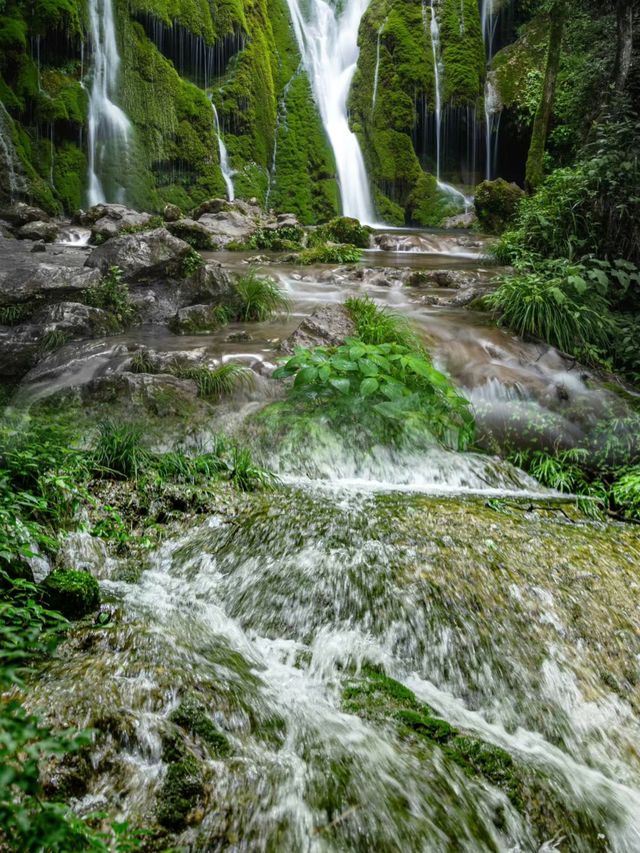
[[225, 168], [109, 129], [328, 41]]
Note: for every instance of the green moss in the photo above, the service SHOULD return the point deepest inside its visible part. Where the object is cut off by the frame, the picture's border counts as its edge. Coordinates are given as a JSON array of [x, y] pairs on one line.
[[427, 205], [344, 229], [331, 253], [181, 791], [72, 593], [463, 53], [192, 717], [496, 203], [69, 170]]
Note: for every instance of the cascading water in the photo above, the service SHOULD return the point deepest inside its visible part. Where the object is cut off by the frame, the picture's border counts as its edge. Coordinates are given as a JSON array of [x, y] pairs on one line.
[[9, 160], [109, 129], [376, 72], [438, 73], [225, 168], [492, 106], [328, 42]]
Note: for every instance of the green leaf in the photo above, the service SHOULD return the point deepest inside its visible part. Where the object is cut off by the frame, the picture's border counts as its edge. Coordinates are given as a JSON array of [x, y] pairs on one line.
[[368, 386], [306, 376], [341, 385]]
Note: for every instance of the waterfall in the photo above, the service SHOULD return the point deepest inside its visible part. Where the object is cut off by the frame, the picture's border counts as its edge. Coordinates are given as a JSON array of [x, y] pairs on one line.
[[108, 126], [227, 171], [328, 42], [438, 73], [492, 107], [377, 71], [9, 157]]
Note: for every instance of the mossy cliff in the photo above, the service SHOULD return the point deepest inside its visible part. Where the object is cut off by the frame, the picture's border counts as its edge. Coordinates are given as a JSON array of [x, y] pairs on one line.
[[175, 56], [396, 127]]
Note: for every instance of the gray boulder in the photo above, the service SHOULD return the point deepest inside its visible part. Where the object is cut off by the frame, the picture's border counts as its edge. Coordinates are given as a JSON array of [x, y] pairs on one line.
[[196, 319], [171, 213], [20, 213], [38, 230], [194, 233], [45, 282], [160, 300], [158, 394], [328, 326], [141, 257], [74, 319]]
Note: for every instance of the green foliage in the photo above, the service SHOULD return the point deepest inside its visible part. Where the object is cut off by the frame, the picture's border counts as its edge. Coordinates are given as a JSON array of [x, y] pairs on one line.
[[246, 474], [119, 452], [496, 203], [191, 263], [388, 390], [427, 205], [112, 294], [72, 593], [284, 238], [13, 315], [625, 492], [330, 253], [560, 303], [53, 340], [379, 325], [344, 229], [217, 382], [257, 298]]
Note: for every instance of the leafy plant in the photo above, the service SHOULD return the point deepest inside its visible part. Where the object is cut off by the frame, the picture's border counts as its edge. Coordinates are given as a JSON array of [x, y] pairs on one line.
[[625, 492], [246, 474], [378, 325], [112, 294], [389, 390], [191, 263], [142, 362], [12, 315], [257, 298]]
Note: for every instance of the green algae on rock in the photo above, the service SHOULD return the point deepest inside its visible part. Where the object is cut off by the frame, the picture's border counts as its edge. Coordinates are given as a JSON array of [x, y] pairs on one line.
[[72, 593]]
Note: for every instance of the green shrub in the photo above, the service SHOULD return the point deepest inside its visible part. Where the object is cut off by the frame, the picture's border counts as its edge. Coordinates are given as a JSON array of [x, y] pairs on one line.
[[496, 203], [257, 298], [217, 382], [378, 325], [72, 593], [191, 263], [625, 492], [284, 238], [387, 390], [343, 229], [329, 253], [112, 294], [560, 303]]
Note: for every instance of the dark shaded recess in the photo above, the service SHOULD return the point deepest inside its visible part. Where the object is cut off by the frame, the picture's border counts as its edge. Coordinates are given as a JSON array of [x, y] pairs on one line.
[[192, 57], [506, 22], [513, 147], [57, 48], [169, 172], [462, 146]]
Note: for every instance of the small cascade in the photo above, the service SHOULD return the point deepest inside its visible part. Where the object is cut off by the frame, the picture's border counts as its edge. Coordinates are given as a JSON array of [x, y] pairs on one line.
[[10, 165], [225, 168], [328, 41], [377, 70], [109, 127], [281, 121], [492, 106], [438, 71]]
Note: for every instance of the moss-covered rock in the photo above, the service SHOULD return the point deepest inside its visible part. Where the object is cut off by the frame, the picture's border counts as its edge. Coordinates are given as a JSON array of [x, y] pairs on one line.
[[182, 790], [496, 203], [72, 593], [345, 229], [427, 205], [191, 716]]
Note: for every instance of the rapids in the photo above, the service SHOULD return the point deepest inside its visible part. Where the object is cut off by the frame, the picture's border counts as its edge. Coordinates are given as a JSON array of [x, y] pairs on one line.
[[320, 627]]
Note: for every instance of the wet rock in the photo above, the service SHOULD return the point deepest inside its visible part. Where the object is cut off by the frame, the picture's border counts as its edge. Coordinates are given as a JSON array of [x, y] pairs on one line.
[[328, 326], [20, 214], [287, 219], [239, 337], [38, 230], [20, 349], [84, 553], [171, 213], [160, 300], [228, 226], [496, 203], [197, 319], [73, 319], [181, 792], [108, 220], [45, 283], [194, 233], [40, 246], [441, 278], [141, 256], [72, 593], [461, 220], [212, 205], [159, 394]]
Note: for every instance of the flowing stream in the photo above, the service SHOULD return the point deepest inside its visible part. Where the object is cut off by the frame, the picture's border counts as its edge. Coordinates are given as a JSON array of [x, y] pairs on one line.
[[282, 618], [327, 37], [109, 129]]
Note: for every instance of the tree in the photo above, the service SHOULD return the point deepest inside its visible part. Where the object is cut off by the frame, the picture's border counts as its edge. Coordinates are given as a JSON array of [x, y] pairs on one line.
[[535, 159], [624, 44]]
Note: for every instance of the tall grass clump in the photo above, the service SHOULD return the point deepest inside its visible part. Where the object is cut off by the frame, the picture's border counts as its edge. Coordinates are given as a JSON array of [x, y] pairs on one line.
[[119, 451], [378, 325], [258, 298], [217, 382]]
